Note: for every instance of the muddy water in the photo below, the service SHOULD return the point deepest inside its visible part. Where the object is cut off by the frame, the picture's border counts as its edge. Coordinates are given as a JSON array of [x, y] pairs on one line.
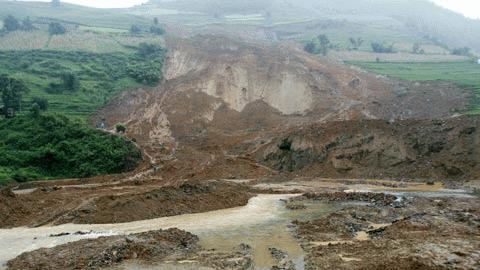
[[262, 224]]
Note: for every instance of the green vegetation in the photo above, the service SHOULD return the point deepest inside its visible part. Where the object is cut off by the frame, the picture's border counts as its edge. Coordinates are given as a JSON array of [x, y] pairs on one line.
[[35, 146], [11, 92], [55, 28], [382, 47], [356, 42], [464, 74], [319, 45], [78, 83]]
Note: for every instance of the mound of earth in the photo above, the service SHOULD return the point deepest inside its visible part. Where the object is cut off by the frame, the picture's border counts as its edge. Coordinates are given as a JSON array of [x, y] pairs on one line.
[[221, 94], [104, 204], [168, 201], [421, 149], [108, 251]]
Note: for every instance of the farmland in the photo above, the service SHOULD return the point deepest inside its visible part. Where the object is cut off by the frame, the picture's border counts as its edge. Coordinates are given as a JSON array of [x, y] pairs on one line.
[[465, 74]]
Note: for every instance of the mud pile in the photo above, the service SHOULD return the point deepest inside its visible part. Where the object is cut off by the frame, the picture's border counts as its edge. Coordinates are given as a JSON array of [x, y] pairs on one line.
[[428, 234], [422, 149], [104, 204], [223, 99], [108, 251], [187, 198]]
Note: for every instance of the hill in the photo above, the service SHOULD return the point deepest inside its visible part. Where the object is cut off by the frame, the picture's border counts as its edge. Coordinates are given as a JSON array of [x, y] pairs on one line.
[[385, 20]]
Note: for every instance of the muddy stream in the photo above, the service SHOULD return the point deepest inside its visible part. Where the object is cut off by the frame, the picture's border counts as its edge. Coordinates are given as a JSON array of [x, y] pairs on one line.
[[262, 223]]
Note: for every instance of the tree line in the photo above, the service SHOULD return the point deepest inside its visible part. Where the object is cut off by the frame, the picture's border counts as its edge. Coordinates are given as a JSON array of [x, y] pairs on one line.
[[12, 24]]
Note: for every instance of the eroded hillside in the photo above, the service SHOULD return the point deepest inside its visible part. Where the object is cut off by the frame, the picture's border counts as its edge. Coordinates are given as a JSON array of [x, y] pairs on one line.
[[220, 93]]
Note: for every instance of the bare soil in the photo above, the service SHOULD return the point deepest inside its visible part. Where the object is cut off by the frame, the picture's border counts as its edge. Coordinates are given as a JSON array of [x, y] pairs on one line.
[[104, 204]]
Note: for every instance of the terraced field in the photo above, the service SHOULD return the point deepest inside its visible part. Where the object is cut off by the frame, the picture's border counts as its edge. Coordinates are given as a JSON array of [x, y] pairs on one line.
[[100, 75]]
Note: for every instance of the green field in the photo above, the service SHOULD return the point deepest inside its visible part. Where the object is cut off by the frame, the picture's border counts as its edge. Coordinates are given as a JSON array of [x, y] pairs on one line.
[[464, 74], [101, 76]]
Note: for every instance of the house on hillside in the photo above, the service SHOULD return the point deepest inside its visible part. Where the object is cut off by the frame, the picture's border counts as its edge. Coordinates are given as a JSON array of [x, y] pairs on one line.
[[478, 61]]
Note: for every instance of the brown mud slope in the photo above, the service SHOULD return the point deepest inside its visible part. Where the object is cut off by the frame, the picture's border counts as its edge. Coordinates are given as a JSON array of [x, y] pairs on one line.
[[220, 93], [422, 149], [108, 251], [115, 205], [418, 233]]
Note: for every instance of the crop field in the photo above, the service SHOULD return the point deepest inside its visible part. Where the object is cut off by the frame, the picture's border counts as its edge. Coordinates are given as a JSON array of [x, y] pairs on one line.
[[465, 74], [363, 56], [76, 40]]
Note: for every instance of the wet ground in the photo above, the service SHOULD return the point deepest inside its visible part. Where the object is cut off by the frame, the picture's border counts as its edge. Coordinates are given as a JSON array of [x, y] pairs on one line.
[[263, 224]]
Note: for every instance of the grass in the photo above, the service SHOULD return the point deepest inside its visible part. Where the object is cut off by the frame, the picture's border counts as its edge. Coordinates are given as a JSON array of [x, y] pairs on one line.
[[464, 74]]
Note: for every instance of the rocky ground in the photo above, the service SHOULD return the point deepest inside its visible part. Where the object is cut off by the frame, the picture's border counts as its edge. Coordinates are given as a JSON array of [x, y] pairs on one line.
[[416, 233]]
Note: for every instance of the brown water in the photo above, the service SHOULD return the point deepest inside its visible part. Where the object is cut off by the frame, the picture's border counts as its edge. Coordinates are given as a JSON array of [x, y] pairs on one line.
[[263, 223]]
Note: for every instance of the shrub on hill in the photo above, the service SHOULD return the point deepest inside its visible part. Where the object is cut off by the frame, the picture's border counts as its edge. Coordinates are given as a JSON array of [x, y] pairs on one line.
[[53, 146]]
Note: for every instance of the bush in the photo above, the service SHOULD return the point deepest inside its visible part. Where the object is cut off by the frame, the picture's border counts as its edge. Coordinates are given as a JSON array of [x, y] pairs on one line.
[[146, 49], [146, 73], [42, 103], [157, 30], [135, 30], [55, 28], [382, 48], [285, 145], [11, 24], [120, 128], [465, 51]]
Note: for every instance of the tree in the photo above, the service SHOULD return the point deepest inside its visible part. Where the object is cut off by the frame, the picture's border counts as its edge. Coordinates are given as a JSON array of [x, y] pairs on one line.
[[35, 110], [148, 49], [27, 25], [41, 102], [120, 128], [12, 91], [156, 30], [356, 42], [155, 21], [310, 47], [11, 24], [324, 44], [382, 48], [55, 28], [135, 30], [465, 51], [70, 81]]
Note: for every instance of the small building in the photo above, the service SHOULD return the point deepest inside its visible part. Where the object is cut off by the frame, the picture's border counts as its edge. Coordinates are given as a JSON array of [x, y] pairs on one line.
[[478, 61]]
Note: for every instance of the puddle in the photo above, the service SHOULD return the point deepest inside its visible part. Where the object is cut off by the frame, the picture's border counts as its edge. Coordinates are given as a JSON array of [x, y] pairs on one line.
[[274, 233]]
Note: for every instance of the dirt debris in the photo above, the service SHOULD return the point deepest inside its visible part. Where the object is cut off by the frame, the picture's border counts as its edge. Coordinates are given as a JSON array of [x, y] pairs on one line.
[[102, 205], [426, 234], [418, 149], [108, 251]]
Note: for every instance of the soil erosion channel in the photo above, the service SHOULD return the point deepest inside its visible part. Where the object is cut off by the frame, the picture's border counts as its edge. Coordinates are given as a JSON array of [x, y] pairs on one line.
[[263, 223]]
